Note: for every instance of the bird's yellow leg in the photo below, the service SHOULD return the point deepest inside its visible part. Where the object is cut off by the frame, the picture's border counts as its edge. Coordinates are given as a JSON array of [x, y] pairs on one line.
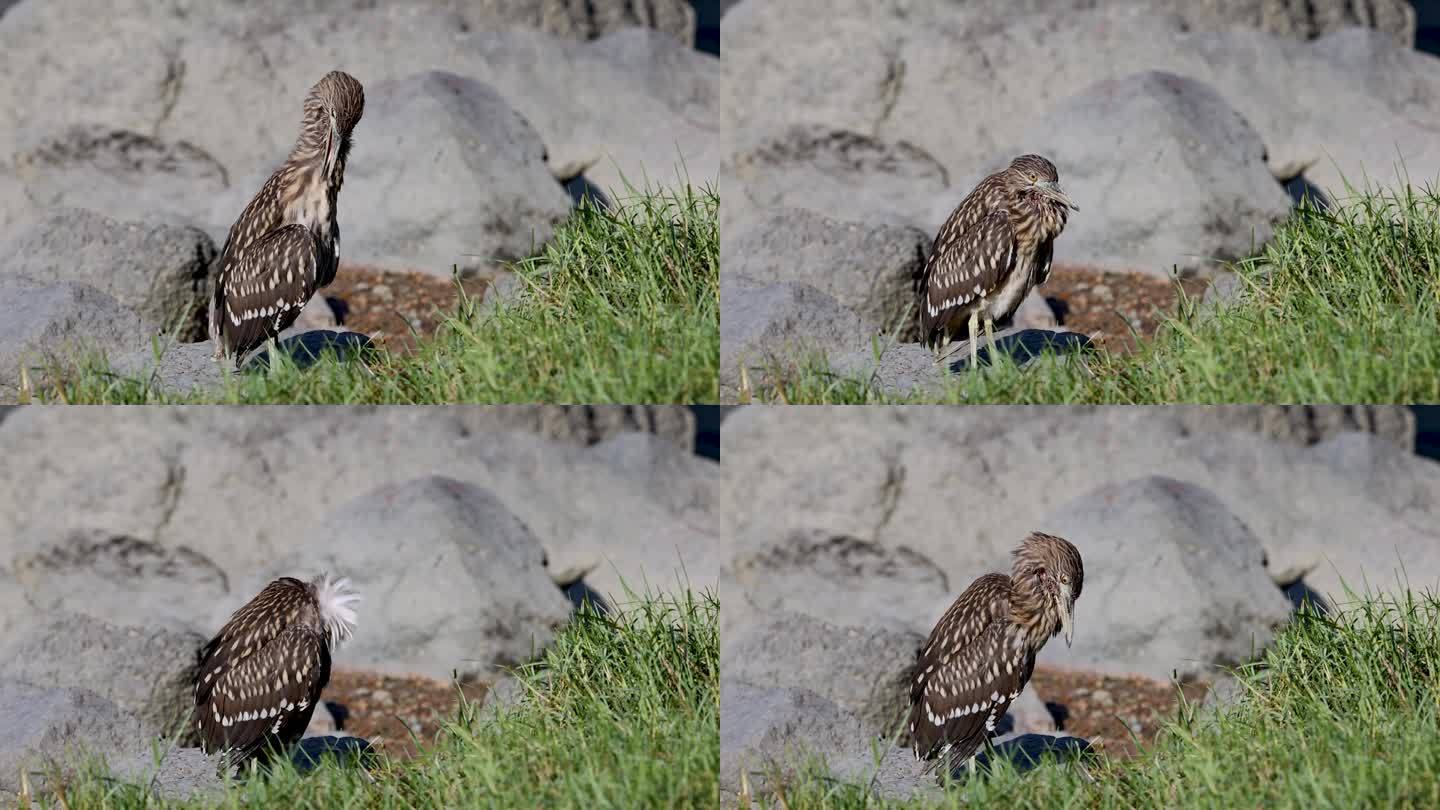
[[990, 336], [974, 339]]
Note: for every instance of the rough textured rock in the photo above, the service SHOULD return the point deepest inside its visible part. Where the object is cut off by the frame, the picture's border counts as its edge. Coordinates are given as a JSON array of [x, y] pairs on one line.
[[43, 725], [271, 475], [686, 483], [869, 267], [864, 670], [44, 323], [452, 580], [1166, 175], [158, 269], [1343, 104], [146, 671], [587, 424], [909, 367], [633, 102], [1174, 548], [1308, 424], [767, 324], [97, 573], [117, 172], [843, 174], [886, 475], [179, 368]]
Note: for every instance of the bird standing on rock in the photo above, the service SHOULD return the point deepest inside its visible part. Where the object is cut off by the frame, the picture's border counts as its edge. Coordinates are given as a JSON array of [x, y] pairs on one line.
[[981, 653], [260, 678], [286, 243], [995, 246]]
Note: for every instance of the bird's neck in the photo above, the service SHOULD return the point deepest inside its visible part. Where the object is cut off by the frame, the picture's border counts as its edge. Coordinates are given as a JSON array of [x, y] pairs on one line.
[[312, 191], [1033, 612]]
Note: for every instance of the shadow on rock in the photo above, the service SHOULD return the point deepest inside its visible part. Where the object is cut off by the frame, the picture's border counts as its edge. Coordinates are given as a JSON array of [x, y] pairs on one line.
[[579, 187], [578, 592], [306, 348], [1022, 346]]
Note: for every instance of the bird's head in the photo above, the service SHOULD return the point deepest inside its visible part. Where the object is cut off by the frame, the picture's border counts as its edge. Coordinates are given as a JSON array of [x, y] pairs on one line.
[[1048, 571], [1034, 175], [332, 109], [335, 603]]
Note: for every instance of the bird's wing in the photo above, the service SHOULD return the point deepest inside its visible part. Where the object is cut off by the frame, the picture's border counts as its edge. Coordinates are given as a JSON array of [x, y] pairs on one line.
[[1043, 256], [248, 630], [261, 288], [963, 266], [266, 695], [966, 674]]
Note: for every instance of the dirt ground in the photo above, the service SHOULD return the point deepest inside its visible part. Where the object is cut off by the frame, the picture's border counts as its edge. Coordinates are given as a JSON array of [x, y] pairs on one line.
[[1090, 301], [388, 304], [1112, 712]]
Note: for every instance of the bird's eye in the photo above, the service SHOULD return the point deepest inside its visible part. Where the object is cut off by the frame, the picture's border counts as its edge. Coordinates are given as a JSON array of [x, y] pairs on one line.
[[1033, 177], [1065, 578]]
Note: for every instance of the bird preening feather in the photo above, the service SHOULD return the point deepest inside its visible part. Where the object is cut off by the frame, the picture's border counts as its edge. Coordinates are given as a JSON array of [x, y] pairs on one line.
[[286, 244], [995, 246], [260, 678], [982, 651]]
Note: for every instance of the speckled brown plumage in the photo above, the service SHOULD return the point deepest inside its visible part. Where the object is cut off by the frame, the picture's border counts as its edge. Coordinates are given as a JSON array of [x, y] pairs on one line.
[[261, 677], [286, 244], [982, 651], [996, 245]]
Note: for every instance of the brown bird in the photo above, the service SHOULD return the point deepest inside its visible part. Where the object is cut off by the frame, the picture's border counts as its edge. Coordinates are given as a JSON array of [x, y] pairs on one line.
[[995, 246], [981, 654], [286, 243], [260, 678]]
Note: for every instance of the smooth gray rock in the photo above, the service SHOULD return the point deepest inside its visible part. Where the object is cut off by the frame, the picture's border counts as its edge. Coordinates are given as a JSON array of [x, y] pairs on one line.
[[778, 324], [1174, 548], [847, 175], [483, 602], [685, 482], [887, 475], [1166, 175], [239, 485], [869, 267], [147, 671], [57, 323], [1344, 104], [348, 750], [306, 348]]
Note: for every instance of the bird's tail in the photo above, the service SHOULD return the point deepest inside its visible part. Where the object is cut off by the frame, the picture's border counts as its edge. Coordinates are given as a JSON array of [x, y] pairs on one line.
[[336, 601]]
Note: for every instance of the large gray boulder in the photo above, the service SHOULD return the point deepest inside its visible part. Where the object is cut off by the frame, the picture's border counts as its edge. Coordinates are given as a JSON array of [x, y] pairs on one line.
[[1348, 101], [158, 269], [451, 580], [1166, 175], [868, 267], [887, 475], [239, 485], [1174, 582], [146, 670], [53, 323]]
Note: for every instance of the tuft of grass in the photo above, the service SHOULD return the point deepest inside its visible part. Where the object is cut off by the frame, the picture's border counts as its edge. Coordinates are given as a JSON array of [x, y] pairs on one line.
[[1342, 306], [622, 305], [622, 711], [1341, 711]]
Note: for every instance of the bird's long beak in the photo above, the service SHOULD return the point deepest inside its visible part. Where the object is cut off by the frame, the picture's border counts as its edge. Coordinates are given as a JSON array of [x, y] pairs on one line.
[[332, 150], [1067, 622], [1052, 190]]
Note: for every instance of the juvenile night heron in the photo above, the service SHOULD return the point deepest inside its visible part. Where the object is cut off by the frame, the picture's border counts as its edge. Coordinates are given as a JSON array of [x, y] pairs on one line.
[[286, 243], [996, 245], [260, 678], [982, 652]]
